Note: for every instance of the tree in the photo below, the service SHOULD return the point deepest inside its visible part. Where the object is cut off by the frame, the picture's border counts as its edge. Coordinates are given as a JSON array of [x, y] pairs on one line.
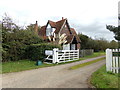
[[31, 27], [113, 44], [97, 44], [115, 30], [8, 25], [84, 39], [15, 40]]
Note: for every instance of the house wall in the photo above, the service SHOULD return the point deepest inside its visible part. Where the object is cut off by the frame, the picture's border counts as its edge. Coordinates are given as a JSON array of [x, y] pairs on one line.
[[71, 46], [78, 46], [66, 47]]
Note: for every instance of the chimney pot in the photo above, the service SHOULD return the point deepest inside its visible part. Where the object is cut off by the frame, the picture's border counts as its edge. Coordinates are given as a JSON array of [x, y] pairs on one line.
[[36, 27], [36, 22]]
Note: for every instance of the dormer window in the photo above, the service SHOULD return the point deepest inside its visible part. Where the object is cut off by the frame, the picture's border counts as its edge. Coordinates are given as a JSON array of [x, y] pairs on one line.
[[50, 30]]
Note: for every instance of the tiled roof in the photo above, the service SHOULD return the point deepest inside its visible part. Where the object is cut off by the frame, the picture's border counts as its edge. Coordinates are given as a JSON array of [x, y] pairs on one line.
[[42, 31], [59, 25], [69, 38], [75, 34], [73, 31], [53, 24]]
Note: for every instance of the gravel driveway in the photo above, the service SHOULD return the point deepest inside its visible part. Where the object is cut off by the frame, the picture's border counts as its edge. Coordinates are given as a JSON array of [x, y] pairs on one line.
[[52, 77]]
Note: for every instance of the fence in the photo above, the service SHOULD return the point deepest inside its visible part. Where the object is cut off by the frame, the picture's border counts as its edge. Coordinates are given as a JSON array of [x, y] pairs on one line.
[[58, 56], [86, 52], [113, 60]]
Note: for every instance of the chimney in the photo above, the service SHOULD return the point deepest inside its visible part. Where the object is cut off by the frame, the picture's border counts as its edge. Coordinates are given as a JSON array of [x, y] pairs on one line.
[[36, 27], [62, 18]]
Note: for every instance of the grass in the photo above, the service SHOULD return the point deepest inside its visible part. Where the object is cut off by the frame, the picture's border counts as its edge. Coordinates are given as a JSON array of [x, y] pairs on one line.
[[103, 79], [85, 64], [96, 54], [23, 65]]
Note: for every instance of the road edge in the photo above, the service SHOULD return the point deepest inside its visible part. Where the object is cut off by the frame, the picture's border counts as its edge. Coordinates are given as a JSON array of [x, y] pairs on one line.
[[89, 79]]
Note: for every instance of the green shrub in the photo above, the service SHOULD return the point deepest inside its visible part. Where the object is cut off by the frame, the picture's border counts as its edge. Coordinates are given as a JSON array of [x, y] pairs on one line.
[[14, 45], [37, 51], [14, 52]]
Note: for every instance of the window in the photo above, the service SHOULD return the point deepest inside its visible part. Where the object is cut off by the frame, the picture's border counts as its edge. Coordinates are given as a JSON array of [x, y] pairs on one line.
[[66, 47], [48, 30], [73, 46]]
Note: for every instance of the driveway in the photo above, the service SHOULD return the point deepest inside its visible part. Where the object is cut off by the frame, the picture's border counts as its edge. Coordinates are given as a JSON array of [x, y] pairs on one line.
[[52, 77]]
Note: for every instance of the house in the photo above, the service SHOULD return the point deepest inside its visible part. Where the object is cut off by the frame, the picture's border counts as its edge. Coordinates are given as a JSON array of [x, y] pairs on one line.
[[59, 32]]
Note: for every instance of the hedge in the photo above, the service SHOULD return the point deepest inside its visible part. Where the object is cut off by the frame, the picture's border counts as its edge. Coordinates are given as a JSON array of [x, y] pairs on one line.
[[37, 51], [14, 44]]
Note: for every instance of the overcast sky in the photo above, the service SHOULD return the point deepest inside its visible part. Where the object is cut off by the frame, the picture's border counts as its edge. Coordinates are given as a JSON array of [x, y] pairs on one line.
[[86, 16]]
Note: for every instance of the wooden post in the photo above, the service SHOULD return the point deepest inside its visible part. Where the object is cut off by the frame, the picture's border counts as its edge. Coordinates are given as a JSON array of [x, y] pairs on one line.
[[57, 60], [108, 60], [113, 62], [117, 66], [55, 55], [78, 53]]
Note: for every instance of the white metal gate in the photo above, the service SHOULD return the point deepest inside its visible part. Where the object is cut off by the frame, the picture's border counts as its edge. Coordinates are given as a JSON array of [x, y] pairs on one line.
[[58, 56]]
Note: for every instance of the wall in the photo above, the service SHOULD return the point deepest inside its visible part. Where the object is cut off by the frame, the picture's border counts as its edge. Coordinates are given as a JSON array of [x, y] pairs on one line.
[[66, 47]]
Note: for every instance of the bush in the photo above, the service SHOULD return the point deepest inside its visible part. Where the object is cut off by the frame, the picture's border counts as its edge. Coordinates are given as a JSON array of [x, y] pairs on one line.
[[37, 51], [14, 51], [15, 44]]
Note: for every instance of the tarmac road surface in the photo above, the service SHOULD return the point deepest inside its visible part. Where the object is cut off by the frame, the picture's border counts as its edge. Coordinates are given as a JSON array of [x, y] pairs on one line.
[[52, 77]]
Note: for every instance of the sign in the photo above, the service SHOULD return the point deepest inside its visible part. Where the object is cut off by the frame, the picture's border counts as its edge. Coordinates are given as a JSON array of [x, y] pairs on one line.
[[48, 52], [116, 54]]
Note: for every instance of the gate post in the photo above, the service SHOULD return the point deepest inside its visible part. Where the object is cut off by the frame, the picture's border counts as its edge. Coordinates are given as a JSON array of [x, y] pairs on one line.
[[78, 52], [108, 60], [55, 55]]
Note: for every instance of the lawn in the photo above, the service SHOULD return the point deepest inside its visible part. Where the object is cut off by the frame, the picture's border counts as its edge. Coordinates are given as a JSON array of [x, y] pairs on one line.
[[96, 54], [22, 65], [85, 64], [103, 79]]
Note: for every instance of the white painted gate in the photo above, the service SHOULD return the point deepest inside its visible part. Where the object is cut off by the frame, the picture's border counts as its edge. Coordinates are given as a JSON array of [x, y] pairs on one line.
[[113, 60], [58, 56]]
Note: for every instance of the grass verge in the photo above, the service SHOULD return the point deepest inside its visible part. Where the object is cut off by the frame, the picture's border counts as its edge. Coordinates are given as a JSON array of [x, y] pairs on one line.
[[85, 64], [96, 54], [23, 65], [103, 79]]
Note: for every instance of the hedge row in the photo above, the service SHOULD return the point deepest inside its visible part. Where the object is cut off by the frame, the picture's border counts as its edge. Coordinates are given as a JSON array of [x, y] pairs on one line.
[[37, 51], [33, 52]]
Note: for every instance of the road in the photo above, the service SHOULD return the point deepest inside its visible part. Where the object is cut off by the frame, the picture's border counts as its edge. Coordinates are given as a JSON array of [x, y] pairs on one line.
[[52, 77]]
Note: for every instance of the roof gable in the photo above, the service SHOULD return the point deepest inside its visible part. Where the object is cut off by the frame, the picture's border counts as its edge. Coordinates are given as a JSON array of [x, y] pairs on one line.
[[59, 26], [52, 24], [42, 31]]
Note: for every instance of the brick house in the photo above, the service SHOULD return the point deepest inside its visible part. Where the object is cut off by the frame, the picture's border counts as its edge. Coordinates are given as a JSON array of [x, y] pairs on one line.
[[61, 33]]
